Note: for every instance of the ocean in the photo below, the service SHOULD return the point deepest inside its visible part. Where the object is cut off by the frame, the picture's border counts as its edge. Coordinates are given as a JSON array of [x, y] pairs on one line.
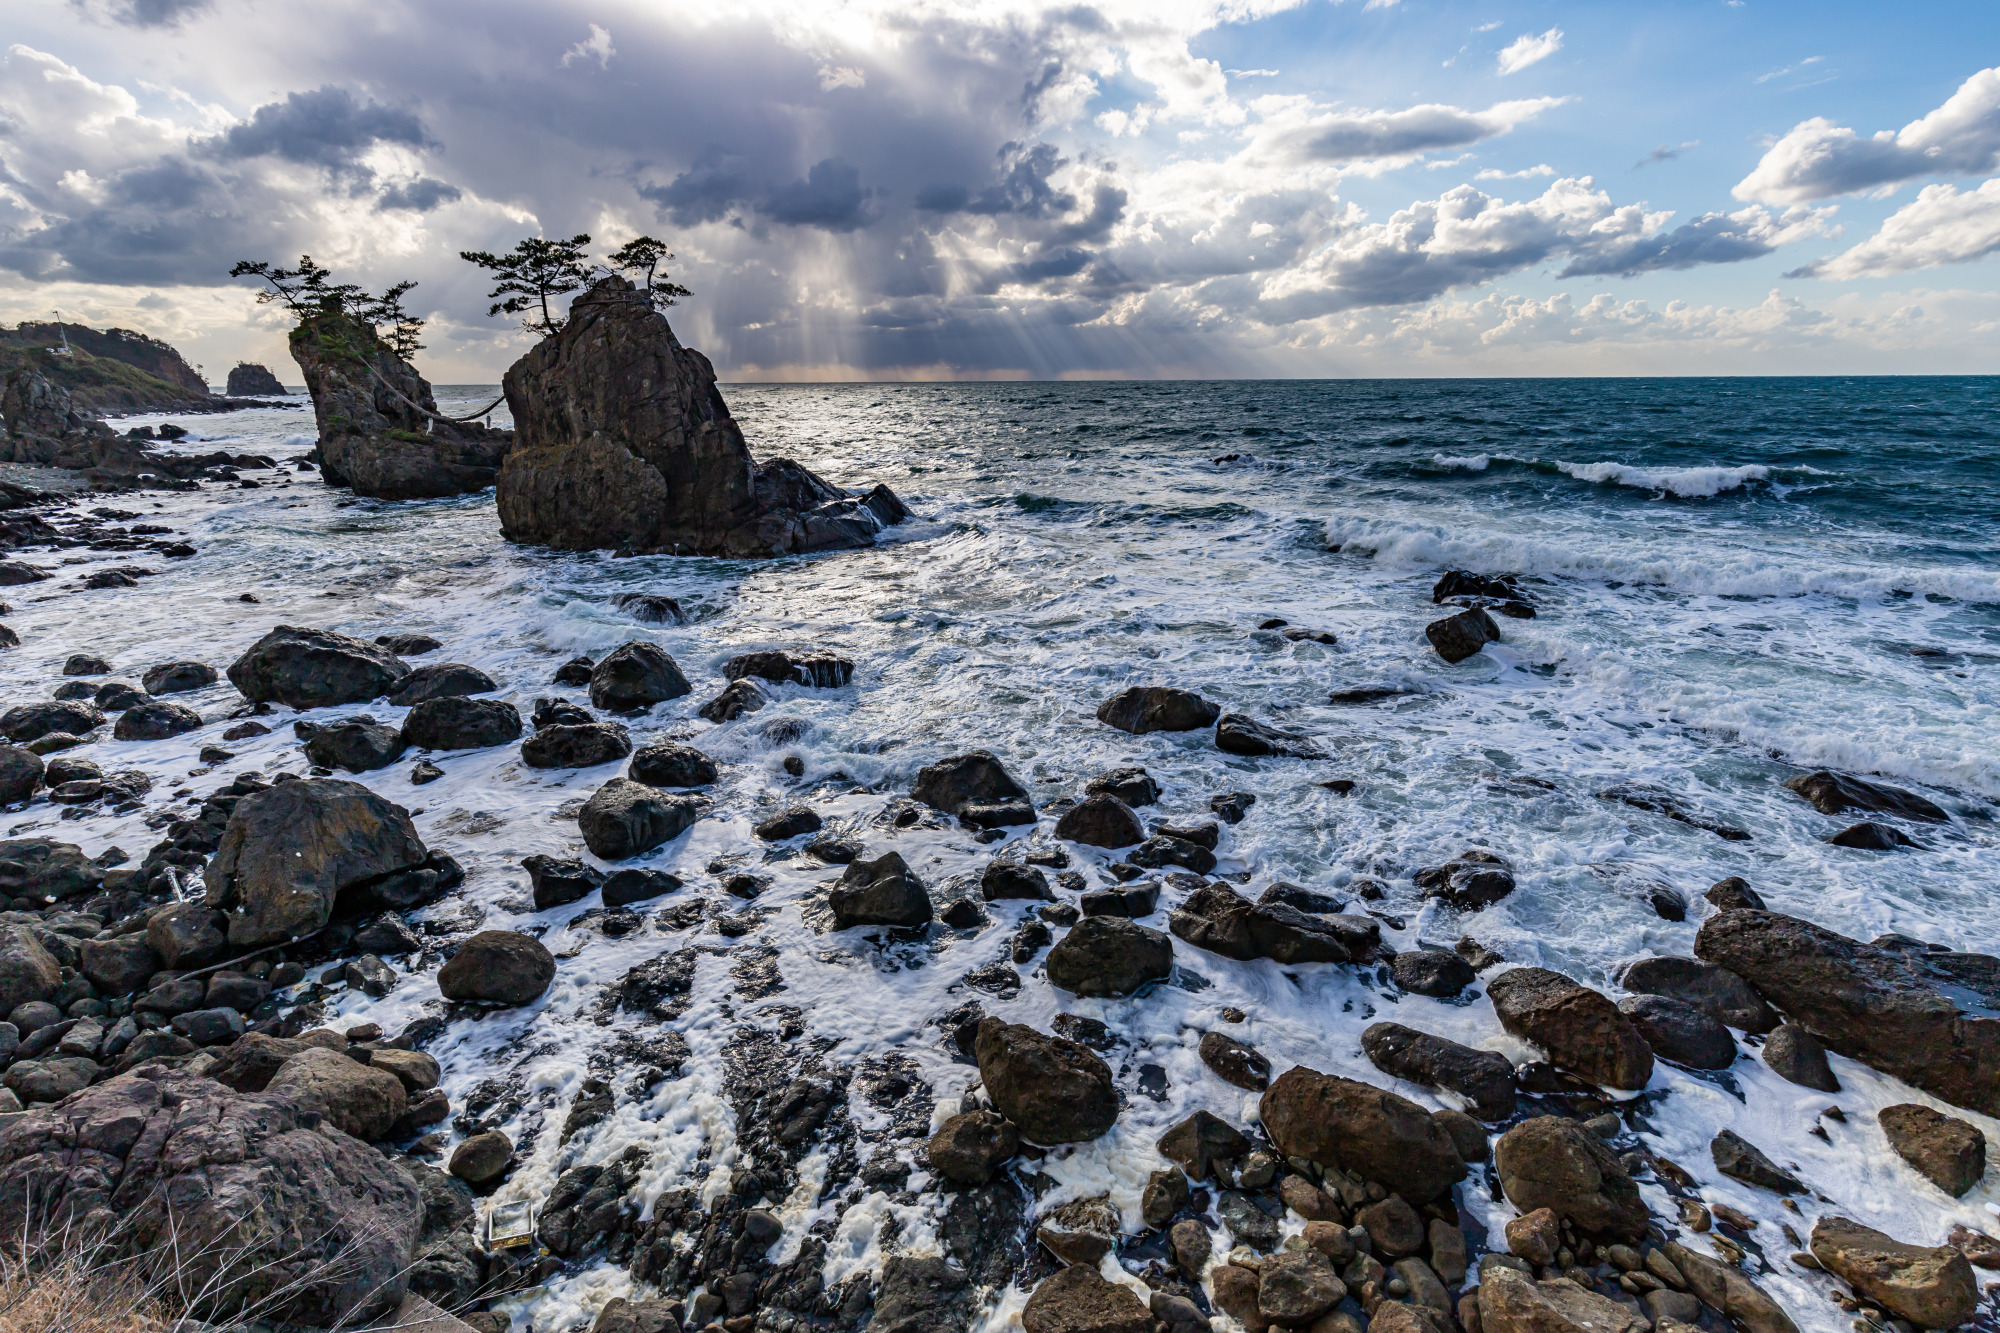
[[1736, 581]]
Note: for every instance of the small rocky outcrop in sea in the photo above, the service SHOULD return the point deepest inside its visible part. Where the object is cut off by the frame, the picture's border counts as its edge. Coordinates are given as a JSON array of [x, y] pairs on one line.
[[44, 426], [624, 443], [250, 380], [376, 431]]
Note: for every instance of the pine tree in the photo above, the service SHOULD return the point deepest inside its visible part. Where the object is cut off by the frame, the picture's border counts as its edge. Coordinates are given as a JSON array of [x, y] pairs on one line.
[[530, 274], [643, 257]]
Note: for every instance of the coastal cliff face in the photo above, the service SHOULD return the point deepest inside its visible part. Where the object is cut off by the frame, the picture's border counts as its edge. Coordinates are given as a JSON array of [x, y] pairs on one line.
[[371, 439], [625, 443]]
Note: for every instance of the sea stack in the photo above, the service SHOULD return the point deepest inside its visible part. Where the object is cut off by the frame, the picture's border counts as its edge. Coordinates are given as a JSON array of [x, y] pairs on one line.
[[624, 443], [249, 380]]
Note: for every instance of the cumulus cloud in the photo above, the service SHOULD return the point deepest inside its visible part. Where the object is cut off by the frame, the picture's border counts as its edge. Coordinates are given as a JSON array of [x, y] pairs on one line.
[[1819, 159], [596, 47], [1345, 137], [1941, 226], [328, 127], [1528, 48], [420, 195]]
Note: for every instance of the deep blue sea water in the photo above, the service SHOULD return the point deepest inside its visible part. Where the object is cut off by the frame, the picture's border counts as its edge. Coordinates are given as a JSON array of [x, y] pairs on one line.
[[1737, 581]]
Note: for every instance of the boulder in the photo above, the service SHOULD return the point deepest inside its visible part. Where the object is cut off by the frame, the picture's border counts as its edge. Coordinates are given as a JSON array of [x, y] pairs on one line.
[[1733, 895], [1945, 1150], [358, 744], [624, 442], [441, 680], [971, 1147], [1720, 992], [559, 880], [20, 773], [1461, 636], [450, 722], [155, 720], [1081, 1231], [249, 1196], [1217, 918], [1365, 1130], [1729, 1289], [1871, 836], [378, 428], [1834, 793], [624, 818], [117, 966], [636, 885], [1931, 1287], [30, 722], [919, 1295], [1163, 850], [1079, 1299], [1581, 1030], [650, 608], [1056, 1090], [1197, 1143], [409, 645], [290, 851], [582, 745], [1237, 734], [974, 787], [178, 677], [1484, 1078], [1298, 1286], [819, 670], [27, 972], [1473, 882], [1101, 821], [1438, 973], [792, 822], [355, 1098], [482, 1157], [634, 677], [85, 664], [1869, 1003], [1680, 1032], [315, 668], [115, 696], [737, 698], [665, 764], [1513, 1302], [498, 967], [1012, 879], [1133, 786], [1235, 1062], [622, 1316], [1795, 1055], [187, 935], [1738, 1157], [882, 892], [1143, 708], [1110, 956], [1554, 1163], [46, 870]]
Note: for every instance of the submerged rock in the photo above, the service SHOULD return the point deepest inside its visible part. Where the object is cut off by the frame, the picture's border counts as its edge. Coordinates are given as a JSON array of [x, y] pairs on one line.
[[1833, 793], [1237, 734], [1471, 883], [1143, 708], [624, 442], [820, 670]]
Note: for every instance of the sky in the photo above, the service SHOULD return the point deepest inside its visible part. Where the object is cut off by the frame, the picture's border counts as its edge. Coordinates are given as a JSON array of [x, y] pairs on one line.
[[860, 189]]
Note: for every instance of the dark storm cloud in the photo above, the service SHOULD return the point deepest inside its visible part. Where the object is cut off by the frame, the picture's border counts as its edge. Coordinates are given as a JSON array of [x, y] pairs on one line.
[[1023, 187], [420, 195], [831, 197], [170, 221], [142, 13], [327, 127]]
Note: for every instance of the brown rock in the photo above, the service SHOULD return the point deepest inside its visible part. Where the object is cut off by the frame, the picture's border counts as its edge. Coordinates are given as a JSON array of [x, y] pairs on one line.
[[971, 1147], [1235, 1062], [353, 1097], [1393, 1226], [1535, 1236], [1581, 1030], [1234, 1291], [1511, 1302], [1366, 1130], [1054, 1090], [1947, 1151], [1550, 1162], [1730, 1290], [1930, 1287], [1080, 1300]]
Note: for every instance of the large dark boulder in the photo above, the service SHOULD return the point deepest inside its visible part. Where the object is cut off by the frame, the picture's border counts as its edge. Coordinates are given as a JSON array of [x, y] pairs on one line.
[[820, 670], [1362, 1129], [251, 1193], [1110, 956], [1217, 918], [1879, 1006], [1834, 793], [636, 676], [625, 818], [20, 773], [1463, 635], [1056, 1090], [1143, 708], [452, 722], [1238, 734], [625, 443], [27, 971], [155, 720], [29, 722], [498, 967], [665, 764], [578, 745], [358, 744], [1580, 1029], [1718, 991], [289, 852], [1678, 1031], [1101, 821], [1550, 1162], [1484, 1078], [1474, 881], [882, 892], [441, 680], [43, 869], [976, 788], [178, 677], [378, 429], [315, 668]]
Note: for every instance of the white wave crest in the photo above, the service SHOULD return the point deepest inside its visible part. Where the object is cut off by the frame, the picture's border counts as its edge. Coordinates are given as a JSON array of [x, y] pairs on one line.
[[300, 441], [1690, 482], [1471, 463]]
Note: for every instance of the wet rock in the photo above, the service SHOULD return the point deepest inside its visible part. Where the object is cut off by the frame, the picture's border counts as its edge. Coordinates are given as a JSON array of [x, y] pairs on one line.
[[1133, 786], [636, 676], [1869, 836], [358, 744], [116, 696], [665, 764], [1011, 879], [622, 1316], [1393, 1227], [974, 787], [650, 608], [1232, 806], [737, 699], [919, 1295], [482, 1158], [1057, 1091], [623, 819], [1795, 1055], [1164, 850], [818, 670], [576, 671], [450, 722], [792, 822], [1513, 1302], [27, 972], [1945, 1150], [1580, 1029], [315, 668], [1549, 1162], [20, 773], [971, 1147], [1238, 734], [498, 967], [1535, 1236], [1081, 1231], [1110, 956], [355, 1098], [1680, 1032], [409, 645], [386, 936], [1461, 636], [83, 664], [1462, 583], [1190, 1244], [178, 677], [1733, 895], [1361, 1129], [187, 935], [624, 442], [1737, 1157], [576, 746], [1432, 972], [1474, 881], [441, 680], [42, 869], [1101, 821], [1222, 921], [1132, 900], [1166, 1193], [1868, 1003], [1079, 1299], [1721, 993], [1235, 1293], [155, 721], [117, 966], [560, 880], [1143, 708], [1247, 1222], [30, 722], [289, 852], [882, 892], [1833, 793], [1930, 1287], [1235, 1062], [1485, 1078], [636, 885], [1201, 1140]]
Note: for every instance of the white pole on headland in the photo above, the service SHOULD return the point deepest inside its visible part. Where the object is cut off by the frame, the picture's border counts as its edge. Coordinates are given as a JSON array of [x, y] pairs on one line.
[[60, 333]]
